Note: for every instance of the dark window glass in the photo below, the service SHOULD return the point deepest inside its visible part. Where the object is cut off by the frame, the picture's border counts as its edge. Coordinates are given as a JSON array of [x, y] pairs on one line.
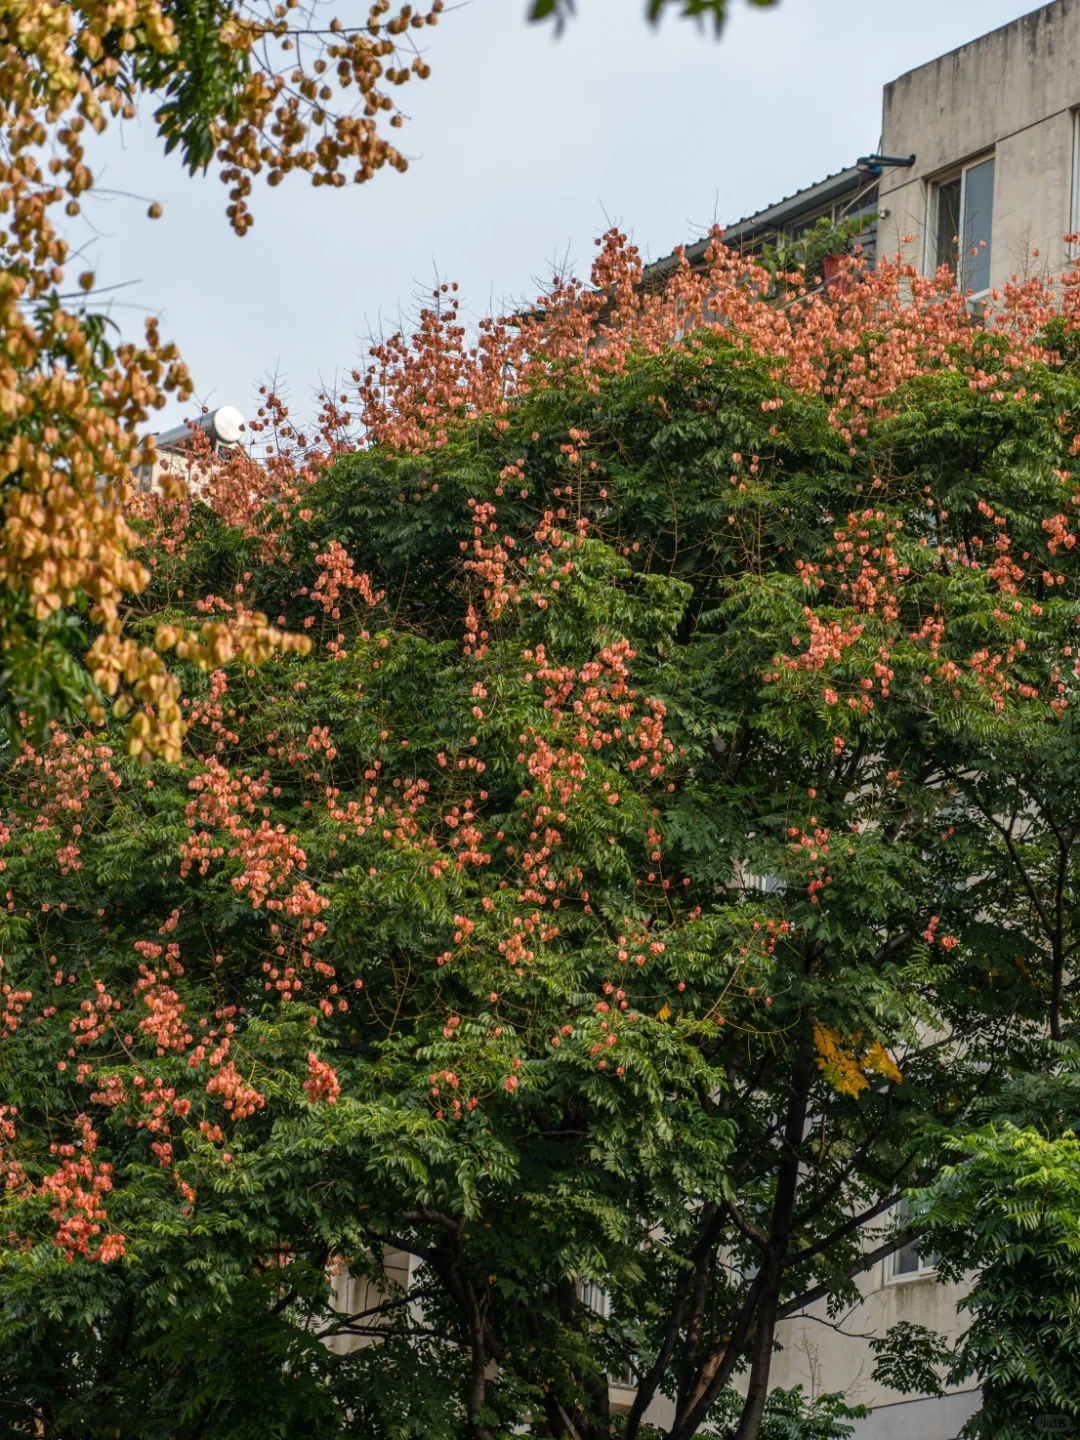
[[907, 1260], [947, 223], [978, 214]]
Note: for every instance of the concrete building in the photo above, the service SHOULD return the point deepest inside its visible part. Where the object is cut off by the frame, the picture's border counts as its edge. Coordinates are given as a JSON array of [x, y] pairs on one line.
[[825, 1355], [993, 128], [979, 152]]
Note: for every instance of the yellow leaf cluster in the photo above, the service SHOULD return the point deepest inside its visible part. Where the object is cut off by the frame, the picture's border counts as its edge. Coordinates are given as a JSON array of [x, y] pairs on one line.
[[70, 413], [158, 728], [845, 1068]]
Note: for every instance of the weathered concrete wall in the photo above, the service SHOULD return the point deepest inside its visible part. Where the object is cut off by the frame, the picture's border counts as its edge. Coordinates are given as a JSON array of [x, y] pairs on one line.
[[1012, 93], [824, 1352]]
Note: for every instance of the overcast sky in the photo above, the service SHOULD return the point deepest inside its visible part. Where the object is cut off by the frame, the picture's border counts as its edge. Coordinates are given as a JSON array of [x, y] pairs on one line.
[[523, 147]]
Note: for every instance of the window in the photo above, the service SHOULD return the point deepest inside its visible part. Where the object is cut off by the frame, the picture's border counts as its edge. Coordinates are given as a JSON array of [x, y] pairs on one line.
[[1074, 208], [598, 1300], [961, 218], [906, 1263], [946, 223], [767, 884]]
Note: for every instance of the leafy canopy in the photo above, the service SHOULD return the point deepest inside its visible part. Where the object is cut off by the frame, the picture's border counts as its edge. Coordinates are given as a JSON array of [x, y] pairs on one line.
[[663, 854]]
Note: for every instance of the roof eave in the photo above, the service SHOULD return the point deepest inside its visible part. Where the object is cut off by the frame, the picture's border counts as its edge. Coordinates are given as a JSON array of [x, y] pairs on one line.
[[771, 218]]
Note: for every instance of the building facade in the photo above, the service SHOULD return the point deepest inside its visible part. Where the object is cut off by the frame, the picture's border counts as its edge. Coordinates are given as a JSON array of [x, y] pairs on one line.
[[978, 163], [993, 127]]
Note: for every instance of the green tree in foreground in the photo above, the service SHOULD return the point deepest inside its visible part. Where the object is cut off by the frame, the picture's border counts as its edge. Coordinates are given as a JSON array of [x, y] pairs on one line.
[[1011, 1211], [665, 852]]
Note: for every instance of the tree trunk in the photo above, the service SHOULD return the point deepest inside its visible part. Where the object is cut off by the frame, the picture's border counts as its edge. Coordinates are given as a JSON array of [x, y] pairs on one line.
[[758, 1389], [787, 1185]]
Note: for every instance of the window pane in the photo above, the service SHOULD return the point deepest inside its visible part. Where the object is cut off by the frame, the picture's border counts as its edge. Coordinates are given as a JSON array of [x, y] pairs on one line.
[[947, 224], [907, 1261], [978, 215], [767, 884]]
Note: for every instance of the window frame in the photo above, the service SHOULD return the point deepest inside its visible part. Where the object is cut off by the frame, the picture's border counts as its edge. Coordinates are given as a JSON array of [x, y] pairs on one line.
[[1074, 195], [893, 1276], [960, 172]]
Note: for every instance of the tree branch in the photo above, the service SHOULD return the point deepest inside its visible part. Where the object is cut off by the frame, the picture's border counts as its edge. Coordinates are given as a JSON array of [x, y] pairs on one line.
[[647, 1384], [868, 1261]]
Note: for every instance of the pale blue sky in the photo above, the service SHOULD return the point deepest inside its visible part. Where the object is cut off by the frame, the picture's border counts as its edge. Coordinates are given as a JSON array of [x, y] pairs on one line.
[[523, 148]]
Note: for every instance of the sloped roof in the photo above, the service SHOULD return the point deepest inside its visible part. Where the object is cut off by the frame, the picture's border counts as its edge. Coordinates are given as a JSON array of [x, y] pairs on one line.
[[832, 187]]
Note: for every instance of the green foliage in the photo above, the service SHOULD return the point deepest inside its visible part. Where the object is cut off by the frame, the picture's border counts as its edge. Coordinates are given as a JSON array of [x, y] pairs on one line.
[[791, 1415], [1010, 1212], [908, 1358], [799, 261], [202, 80], [42, 677], [619, 893]]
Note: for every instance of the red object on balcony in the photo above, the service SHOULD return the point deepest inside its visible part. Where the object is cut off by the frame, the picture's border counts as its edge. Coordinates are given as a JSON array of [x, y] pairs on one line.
[[832, 268]]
